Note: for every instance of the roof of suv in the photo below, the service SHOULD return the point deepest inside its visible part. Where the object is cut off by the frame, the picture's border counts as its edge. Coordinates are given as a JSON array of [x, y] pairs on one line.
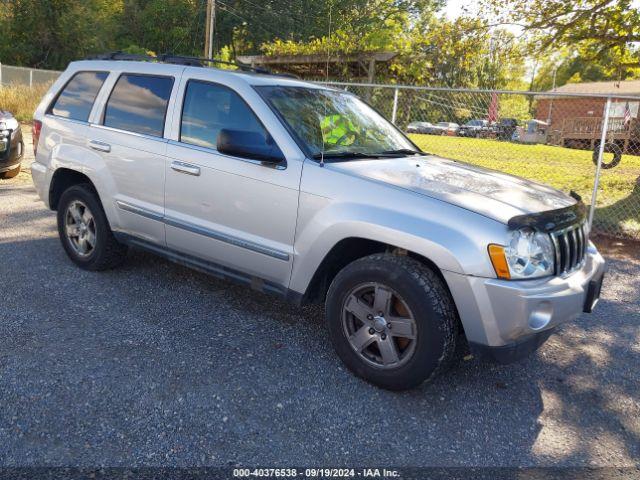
[[250, 78]]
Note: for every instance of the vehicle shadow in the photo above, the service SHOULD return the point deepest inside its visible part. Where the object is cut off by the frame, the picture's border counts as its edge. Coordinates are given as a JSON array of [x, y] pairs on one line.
[[157, 358], [144, 364], [613, 217]]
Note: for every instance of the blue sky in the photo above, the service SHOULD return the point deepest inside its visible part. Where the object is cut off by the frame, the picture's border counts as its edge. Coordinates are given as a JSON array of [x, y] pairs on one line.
[[455, 8]]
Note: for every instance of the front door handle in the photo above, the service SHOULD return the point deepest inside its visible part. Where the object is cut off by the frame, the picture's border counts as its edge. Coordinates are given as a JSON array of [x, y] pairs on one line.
[[185, 168], [100, 146]]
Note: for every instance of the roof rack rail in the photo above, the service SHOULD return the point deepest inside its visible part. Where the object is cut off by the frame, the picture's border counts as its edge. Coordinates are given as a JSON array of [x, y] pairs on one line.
[[180, 60]]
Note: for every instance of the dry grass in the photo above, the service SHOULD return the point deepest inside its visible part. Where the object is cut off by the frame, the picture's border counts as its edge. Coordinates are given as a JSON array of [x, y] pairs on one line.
[[21, 100]]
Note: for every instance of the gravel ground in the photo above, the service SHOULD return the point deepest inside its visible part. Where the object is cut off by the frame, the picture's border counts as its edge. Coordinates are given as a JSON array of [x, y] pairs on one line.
[[154, 364]]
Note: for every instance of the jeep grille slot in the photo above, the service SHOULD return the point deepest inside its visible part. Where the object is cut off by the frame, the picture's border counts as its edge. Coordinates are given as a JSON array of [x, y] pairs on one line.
[[570, 247]]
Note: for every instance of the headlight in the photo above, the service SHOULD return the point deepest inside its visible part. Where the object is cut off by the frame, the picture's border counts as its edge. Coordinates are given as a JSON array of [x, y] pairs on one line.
[[528, 254]]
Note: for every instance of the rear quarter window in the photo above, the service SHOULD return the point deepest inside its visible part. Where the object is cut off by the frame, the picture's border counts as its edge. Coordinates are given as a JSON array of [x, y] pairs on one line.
[[76, 98], [138, 103]]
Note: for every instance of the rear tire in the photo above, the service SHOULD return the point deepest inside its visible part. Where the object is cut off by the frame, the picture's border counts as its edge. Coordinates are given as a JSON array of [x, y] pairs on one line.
[[416, 293], [10, 174], [84, 230]]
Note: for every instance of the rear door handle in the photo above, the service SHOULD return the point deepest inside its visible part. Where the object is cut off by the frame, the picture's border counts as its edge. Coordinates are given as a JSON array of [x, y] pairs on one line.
[[185, 168], [100, 146]]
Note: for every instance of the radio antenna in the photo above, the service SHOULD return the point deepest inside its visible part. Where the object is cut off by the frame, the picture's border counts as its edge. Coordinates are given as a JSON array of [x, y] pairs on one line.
[[326, 79]]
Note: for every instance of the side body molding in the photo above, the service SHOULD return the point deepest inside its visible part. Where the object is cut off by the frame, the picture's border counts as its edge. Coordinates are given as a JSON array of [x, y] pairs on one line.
[[223, 237]]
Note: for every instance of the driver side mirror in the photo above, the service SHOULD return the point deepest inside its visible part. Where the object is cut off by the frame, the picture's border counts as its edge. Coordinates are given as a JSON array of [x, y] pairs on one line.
[[251, 145]]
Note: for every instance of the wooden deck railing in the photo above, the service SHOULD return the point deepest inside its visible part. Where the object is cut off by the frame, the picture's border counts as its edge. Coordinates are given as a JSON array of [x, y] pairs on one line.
[[588, 127]]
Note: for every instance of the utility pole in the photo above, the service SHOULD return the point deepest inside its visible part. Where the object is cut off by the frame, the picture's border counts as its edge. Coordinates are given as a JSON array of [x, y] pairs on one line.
[[555, 73], [210, 23]]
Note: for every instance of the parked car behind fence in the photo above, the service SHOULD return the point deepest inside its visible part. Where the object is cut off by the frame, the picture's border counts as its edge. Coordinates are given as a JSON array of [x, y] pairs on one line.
[[506, 128], [444, 128], [419, 127], [475, 128]]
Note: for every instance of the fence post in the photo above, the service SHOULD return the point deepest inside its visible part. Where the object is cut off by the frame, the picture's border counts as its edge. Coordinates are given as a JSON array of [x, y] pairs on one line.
[[30, 78], [0, 74], [394, 112], [603, 139]]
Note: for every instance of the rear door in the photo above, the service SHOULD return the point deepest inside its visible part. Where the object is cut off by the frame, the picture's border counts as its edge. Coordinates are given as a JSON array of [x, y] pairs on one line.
[[66, 119], [234, 212], [129, 135]]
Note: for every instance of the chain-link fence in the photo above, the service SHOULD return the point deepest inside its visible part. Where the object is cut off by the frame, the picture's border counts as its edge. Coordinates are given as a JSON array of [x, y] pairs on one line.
[[10, 75], [551, 138]]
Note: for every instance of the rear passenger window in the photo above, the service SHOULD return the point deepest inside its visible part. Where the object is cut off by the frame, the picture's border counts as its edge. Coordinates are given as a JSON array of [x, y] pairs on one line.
[[208, 108], [77, 97], [138, 103]]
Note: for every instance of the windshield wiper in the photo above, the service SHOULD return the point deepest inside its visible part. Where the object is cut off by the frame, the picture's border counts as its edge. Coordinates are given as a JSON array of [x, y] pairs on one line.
[[345, 154], [403, 151]]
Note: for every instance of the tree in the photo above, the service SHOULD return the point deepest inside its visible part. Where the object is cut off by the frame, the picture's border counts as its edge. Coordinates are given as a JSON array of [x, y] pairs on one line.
[[49, 34], [462, 53], [432, 51], [571, 66], [162, 26], [600, 28]]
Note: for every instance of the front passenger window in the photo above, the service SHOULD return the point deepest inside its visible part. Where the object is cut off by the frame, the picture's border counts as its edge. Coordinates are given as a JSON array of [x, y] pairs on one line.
[[209, 108]]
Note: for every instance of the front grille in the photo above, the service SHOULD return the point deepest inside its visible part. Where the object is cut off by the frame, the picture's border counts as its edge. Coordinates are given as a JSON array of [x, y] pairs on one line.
[[570, 246]]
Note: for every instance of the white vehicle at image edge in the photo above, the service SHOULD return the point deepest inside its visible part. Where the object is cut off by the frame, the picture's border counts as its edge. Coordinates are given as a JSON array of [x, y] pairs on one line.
[[306, 192]]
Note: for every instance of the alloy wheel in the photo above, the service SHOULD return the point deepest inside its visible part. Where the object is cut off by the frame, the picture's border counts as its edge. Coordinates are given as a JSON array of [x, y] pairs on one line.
[[379, 325], [80, 228]]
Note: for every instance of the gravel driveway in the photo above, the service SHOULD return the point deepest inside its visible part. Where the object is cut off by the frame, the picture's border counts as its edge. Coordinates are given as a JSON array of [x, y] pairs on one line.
[[154, 364]]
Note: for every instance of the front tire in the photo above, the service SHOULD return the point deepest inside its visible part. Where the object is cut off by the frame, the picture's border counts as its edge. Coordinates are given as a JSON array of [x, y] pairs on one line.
[[84, 230], [392, 321]]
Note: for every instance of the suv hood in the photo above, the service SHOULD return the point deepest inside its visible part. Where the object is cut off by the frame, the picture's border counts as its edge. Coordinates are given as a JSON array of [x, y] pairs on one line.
[[493, 194]]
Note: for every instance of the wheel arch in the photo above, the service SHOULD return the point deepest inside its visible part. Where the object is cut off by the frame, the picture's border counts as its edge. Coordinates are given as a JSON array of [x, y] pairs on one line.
[[62, 179], [348, 250]]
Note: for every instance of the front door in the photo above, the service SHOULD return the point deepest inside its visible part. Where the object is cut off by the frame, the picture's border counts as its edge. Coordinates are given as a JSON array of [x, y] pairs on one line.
[[234, 212]]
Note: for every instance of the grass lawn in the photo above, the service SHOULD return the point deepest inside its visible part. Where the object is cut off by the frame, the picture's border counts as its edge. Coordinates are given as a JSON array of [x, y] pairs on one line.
[[618, 203]]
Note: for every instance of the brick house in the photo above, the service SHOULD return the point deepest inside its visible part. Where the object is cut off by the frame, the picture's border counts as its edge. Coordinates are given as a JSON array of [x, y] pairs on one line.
[[577, 121]]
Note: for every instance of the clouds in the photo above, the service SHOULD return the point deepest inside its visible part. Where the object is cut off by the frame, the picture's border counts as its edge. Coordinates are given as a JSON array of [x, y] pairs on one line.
[[136, 95], [76, 100], [138, 103]]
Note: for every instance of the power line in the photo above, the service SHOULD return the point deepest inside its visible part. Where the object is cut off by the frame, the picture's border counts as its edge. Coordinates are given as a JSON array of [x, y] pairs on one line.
[[273, 12], [194, 23], [227, 8]]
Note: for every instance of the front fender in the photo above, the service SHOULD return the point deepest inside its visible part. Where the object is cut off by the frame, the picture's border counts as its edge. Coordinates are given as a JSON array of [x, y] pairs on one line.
[[458, 245]]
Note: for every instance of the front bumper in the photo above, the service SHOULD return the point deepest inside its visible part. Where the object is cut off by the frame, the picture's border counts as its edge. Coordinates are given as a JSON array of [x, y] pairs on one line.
[[507, 320], [6, 168], [11, 150]]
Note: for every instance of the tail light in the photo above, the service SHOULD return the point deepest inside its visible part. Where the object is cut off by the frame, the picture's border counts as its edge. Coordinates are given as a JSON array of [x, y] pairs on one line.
[[35, 134]]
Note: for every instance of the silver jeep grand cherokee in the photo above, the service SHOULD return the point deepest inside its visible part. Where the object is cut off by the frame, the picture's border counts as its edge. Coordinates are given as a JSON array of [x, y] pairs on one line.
[[306, 192]]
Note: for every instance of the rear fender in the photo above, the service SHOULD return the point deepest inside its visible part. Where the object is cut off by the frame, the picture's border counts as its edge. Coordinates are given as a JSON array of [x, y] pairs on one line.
[[67, 156]]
